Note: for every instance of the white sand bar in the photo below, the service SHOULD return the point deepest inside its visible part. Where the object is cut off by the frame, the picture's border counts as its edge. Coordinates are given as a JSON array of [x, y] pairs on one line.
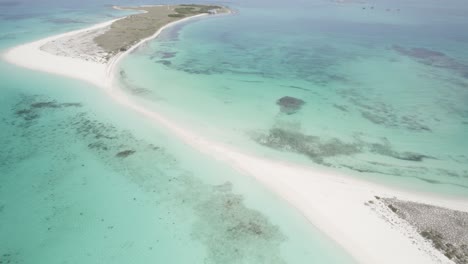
[[33, 56], [333, 203]]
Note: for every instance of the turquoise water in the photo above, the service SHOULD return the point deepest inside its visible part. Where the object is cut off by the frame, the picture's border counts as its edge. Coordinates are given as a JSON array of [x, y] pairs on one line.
[[384, 86], [83, 180]]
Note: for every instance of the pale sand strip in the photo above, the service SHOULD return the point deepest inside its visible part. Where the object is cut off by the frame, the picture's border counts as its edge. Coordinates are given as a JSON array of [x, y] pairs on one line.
[[31, 56], [333, 203]]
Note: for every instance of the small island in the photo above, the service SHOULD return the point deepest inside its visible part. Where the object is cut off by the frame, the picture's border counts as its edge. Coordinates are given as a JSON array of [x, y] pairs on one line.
[[102, 44], [91, 54]]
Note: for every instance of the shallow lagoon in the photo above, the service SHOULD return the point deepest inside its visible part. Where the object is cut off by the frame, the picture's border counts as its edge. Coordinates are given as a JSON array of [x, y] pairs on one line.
[[96, 183], [78, 180], [384, 86]]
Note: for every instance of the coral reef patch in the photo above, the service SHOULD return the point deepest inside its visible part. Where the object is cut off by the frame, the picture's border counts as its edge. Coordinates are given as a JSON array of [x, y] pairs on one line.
[[290, 105], [230, 231], [433, 58]]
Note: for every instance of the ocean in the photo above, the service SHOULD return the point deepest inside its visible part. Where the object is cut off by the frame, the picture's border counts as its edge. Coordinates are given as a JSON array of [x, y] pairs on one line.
[[377, 90], [85, 180], [374, 90]]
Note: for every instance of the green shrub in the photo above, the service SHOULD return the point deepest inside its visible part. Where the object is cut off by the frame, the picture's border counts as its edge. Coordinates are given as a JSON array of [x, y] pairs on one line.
[[176, 15]]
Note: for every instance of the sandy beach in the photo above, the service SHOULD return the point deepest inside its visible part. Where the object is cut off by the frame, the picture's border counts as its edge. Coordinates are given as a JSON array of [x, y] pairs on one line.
[[338, 205]]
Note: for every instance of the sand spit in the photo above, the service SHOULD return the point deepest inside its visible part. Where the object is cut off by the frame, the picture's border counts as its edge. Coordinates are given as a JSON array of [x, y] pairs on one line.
[[89, 54], [79, 46], [337, 204]]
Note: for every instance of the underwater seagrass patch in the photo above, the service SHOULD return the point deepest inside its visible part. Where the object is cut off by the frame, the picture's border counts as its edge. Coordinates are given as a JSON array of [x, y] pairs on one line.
[[290, 105]]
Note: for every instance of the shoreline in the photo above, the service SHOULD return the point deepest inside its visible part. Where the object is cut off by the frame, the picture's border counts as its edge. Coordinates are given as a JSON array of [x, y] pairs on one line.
[[90, 72], [112, 64], [332, 202]]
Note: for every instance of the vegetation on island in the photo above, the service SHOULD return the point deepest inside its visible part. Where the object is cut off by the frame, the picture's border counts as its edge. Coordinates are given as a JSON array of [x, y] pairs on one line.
[[125, 33], [190, 10]]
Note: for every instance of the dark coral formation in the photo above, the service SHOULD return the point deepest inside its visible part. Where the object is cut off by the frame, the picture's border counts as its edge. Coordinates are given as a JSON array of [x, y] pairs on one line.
[[386, 149], [336, 153], [165, 62], [296, 87], [313, 147], [318, 149], [420, 53], [227, 228], [9, 258], [125, 153], [289, 105], [341, 107], [312, 65], [388, 118], [51, 104], [233, 223], [167, 54], [433, 58], [33, 110], [384, 114], [446, 229], [316, 65]]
